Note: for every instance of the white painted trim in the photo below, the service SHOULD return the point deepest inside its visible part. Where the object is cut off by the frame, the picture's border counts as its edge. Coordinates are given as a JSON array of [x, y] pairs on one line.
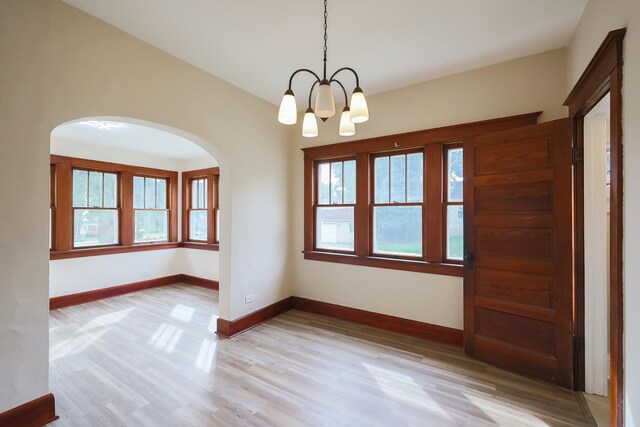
[[596, 243]]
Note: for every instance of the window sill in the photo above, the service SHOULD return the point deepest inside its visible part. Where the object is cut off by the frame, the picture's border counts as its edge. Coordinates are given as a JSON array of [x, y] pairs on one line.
[[201, 246], [110, 250], [456, 270]]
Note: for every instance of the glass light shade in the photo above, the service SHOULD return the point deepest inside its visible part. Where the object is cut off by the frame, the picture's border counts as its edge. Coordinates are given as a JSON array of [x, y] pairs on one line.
[[309, 124], [359, 109], [325, 106], [347, 127], [288, 114]]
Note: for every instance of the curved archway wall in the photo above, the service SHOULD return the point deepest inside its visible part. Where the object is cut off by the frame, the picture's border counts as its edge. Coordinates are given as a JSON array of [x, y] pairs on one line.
[[60, 64], [75, 139]]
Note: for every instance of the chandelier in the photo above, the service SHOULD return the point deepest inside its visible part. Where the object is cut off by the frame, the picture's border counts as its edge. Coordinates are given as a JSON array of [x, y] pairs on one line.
[[356, 112]]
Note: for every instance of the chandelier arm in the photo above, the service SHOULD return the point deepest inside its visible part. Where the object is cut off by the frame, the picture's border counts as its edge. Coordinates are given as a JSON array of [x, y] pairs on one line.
[[300, 70], [349, 69], [311, 91], [346, 99]]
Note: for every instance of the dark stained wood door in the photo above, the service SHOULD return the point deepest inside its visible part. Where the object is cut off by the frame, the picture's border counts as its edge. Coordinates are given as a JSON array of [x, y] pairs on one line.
[[518, 250]]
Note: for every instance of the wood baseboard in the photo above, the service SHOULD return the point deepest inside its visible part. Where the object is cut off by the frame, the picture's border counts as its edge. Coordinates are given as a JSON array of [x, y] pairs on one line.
[[441, 334], [98, 294], [36, 413], [231, 328], [199, 281]]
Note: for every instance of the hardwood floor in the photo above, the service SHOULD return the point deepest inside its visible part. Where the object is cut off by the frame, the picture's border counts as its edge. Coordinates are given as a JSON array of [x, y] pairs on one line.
[[152, 358]]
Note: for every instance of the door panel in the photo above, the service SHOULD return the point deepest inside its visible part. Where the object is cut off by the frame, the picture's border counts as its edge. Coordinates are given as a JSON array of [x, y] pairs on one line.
[[518, 228]]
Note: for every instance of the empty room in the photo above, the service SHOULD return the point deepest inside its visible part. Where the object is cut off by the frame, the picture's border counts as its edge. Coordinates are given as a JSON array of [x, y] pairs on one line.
[[319, 213]]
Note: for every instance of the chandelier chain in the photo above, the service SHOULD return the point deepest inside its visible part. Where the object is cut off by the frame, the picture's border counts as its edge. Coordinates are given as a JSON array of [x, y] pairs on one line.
[[325, 33]]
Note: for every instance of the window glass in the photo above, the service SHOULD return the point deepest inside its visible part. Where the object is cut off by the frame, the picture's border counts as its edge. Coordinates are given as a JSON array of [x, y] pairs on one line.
[[336, 183], [335, 228], [324, 182], [95, 189], [151, 225], [415, 182], [80, 188], [161, 194], [149, 193], [381, 166], [349, 182], [455, 235], [95, 227], [198, 225], [397, 230], [455, 177], [138, 192], [398, 179]]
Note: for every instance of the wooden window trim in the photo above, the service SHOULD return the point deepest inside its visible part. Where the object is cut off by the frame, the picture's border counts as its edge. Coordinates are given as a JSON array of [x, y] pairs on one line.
[[431, 141], [62, 192], [445, 200], [212, 175]]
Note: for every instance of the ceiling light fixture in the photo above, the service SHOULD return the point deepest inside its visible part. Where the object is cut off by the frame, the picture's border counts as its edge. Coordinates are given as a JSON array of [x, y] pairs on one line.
[[325, 106]]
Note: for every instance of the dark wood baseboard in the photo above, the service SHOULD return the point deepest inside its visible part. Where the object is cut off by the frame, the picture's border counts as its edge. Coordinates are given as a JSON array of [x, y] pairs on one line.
[[36, 413], [113, 291], [231, 328], [199, 281], [441, 334]]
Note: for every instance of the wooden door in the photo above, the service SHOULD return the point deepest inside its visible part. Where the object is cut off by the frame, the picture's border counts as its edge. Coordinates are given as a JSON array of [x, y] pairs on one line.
[[518, 250]]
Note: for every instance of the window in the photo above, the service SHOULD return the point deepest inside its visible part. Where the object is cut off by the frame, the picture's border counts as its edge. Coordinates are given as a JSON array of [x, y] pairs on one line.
[[398, 204], [151, 213], [335, 205], [393, 201], [198, 210], [100, 208], [95, 208], [453, 218], [201, 210]]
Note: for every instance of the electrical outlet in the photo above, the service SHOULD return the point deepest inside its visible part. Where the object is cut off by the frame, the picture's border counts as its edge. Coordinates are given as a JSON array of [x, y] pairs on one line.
[[145, 273], [248, 299]]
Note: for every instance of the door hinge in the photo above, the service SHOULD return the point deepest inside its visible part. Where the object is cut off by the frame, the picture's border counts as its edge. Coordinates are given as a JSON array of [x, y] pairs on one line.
[[577, 155], [578, 344]]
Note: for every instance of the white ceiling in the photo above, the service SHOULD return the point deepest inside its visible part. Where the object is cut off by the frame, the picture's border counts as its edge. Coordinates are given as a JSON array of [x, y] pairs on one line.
[[257, 44], [129, 137]]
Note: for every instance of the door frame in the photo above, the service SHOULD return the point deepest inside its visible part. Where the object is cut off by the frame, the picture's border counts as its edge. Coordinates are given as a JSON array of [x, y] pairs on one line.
[[603, 75]]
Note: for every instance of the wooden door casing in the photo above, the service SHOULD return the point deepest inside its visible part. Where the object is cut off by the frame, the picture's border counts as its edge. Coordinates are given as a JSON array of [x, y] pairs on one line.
[[518, 244]]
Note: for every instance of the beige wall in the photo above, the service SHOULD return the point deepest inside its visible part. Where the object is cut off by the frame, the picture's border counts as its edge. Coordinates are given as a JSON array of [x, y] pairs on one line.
[[600, 17], [534, 83], [59, 64]]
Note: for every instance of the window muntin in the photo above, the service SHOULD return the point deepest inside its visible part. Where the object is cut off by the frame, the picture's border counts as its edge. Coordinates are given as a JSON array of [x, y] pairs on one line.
[[398, 205], [151, 210], [335, 205], [453, 203], [95, 208]]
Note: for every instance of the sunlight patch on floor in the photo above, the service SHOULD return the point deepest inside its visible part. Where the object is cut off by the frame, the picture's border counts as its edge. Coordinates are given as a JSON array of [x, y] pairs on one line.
[[206, 355], [182, 313], [166, 338], [403, 388], [75, 345], [107, 319]]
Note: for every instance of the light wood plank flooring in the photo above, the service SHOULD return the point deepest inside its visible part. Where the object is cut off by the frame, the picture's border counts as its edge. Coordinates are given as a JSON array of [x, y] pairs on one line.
[[152, 359]]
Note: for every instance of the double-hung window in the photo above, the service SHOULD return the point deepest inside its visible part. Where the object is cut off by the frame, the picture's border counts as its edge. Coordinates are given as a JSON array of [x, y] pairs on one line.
[[398, 204], [201, 209], [453, 203], [335, 205], [95, 208], [151, 210]]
